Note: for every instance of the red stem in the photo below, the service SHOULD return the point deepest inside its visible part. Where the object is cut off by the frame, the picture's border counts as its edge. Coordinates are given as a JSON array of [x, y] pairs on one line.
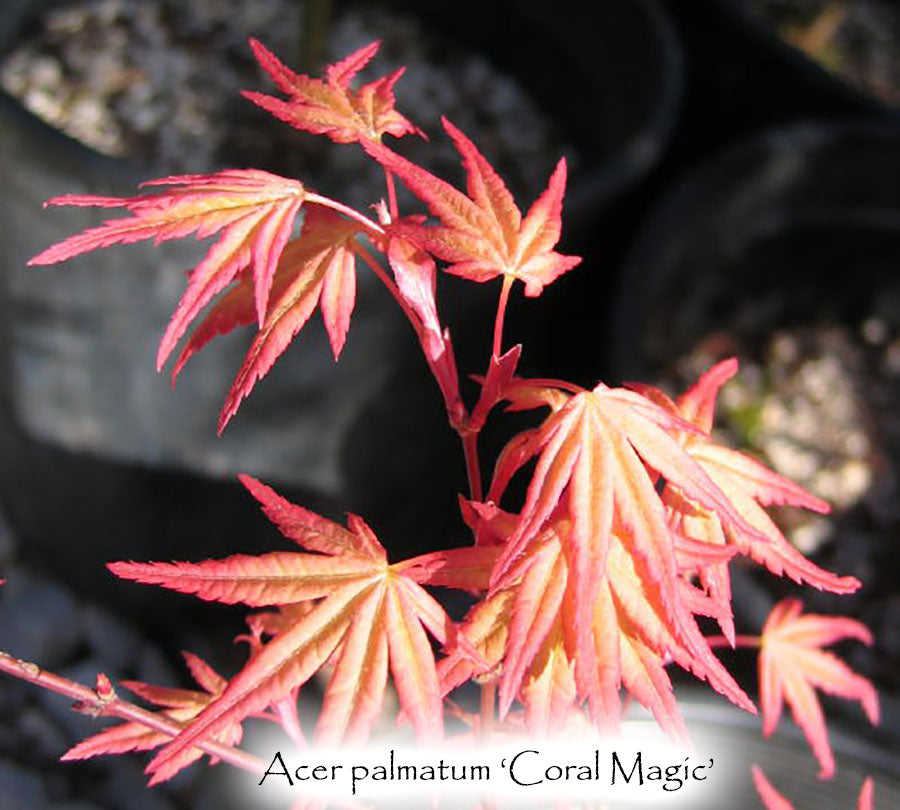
[[473, 467], [392, 194], [89, 702], [739, 641], [501, 314], [346, 210], [456, 418]]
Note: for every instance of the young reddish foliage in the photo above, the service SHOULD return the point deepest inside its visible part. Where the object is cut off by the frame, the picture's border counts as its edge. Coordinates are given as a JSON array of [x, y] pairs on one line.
[[593, 587], [254, 210], [331, 107], [792, 664], [483, 235], [370, 617]]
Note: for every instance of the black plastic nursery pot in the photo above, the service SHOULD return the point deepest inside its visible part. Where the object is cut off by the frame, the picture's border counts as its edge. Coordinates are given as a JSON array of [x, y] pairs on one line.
[[85, 404], [796, 225]]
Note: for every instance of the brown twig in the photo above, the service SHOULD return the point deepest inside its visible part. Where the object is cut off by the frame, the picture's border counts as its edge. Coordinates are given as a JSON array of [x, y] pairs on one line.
[[90, 701]]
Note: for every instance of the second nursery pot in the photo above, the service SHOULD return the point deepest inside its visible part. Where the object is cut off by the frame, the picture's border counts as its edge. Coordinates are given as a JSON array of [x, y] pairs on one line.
[[795, 225]]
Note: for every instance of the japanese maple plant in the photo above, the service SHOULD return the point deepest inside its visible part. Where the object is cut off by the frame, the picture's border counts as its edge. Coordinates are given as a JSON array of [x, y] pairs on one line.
[[584, 592]]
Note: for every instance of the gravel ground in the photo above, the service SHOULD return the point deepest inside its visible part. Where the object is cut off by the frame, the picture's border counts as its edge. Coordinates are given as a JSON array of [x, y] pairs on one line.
[[158, 83]]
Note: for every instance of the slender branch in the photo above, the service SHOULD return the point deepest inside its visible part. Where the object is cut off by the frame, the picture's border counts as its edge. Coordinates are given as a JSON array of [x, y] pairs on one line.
[[88, 701], [501, 315], [473, 467], [392, 194], [369, 224], [739, 641], [469, 432]]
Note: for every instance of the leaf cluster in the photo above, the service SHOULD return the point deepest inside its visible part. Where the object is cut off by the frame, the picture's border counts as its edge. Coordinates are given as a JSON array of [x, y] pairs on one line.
[[585, 592]]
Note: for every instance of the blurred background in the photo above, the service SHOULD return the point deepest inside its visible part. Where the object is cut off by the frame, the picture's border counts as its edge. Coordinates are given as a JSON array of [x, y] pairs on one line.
[[734, 190]]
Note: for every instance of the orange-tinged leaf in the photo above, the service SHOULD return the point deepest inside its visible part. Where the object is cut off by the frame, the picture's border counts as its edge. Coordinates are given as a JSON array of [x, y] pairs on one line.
[[483, 235], [548, 691], [354, 696], [338, 298], [595, 424], [761, 483], [528, 627], [283, 664], [644, 675], [792, 665], [279, 577], [412, 665], [236, 307], [487, 628], [467, 568], [669, 629], [331, 107], [774, 552], [254, 211], [697, 406], [487, 190], [203, 673], [599, 459], [342, 604], [526, 395], [538, 601], [598, 667], [272, 622], [124, 738], [749, 486], [322, 272], [312, 531]]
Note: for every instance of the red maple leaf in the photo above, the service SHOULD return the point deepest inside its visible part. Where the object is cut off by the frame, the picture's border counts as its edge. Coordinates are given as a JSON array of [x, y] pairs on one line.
[[331, 107], [253, 210], [367, 617], [483, 235], [316, 269], [527, 630], [792, 664], [599, 457]]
